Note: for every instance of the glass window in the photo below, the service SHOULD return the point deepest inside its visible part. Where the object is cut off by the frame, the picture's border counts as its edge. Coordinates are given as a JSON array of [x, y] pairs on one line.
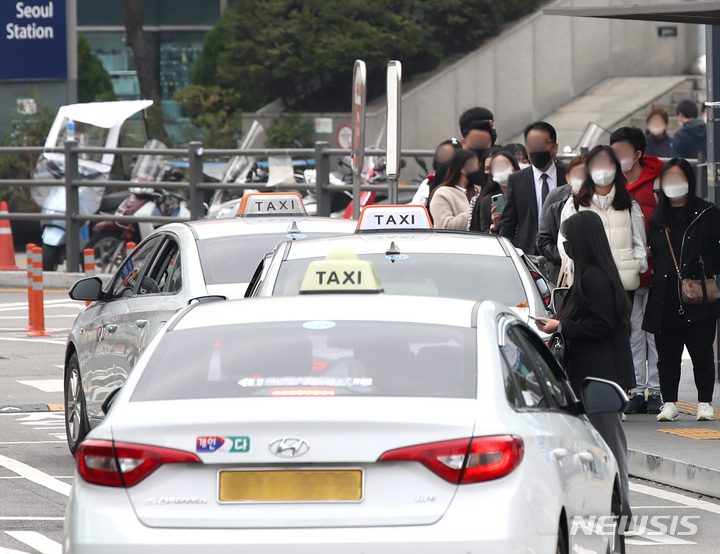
[[156, 278], [465, 276], [313, 358], [174, 283], [526, 390], [131, 271]]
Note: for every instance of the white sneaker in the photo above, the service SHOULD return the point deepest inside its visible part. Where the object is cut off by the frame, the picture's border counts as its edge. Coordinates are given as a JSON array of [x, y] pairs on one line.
[[669, 412], [705, 412]]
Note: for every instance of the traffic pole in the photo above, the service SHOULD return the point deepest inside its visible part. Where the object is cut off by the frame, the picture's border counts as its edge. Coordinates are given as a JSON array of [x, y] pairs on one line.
[[30, 264], [89, 263], [38, 329], [129, 247]]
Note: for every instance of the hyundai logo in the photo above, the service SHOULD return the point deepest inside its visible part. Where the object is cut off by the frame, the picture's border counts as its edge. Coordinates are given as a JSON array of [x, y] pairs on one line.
[[289, 447]]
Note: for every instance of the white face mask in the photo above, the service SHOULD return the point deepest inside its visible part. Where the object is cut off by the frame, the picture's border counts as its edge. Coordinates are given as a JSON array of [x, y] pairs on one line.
[[675, 190], [627, 164], [656, 130], [603, 177], [523, 166], [576, 184], [501, 177]]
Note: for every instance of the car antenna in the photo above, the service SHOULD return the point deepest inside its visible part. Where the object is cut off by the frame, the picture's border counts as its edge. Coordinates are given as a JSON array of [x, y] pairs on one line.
[[293, 229], [392, 252]]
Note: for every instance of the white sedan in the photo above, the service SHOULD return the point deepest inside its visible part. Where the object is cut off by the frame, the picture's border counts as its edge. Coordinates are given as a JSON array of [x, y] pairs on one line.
[[353, 423]]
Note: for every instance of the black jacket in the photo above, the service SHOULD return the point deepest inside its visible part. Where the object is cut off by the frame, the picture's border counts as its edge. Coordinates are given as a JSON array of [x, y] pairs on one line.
[[481, 213], [549, 230], [598, 344], [701, 238], [659, 147], [690, 139], [519, 220]]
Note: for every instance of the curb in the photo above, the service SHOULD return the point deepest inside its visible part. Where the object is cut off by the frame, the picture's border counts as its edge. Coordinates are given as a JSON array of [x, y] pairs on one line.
[[674, 473], [51, 279]]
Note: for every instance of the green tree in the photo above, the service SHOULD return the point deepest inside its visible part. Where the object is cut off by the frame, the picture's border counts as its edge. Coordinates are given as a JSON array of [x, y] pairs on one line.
[[287, 128], [94, 83], [215, 112], [205, 71]]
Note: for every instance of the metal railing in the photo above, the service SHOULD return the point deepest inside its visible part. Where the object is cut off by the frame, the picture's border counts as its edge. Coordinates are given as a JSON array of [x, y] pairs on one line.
[[194, 186]]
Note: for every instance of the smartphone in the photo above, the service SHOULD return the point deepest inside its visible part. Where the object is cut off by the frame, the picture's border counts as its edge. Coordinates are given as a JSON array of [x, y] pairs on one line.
[[498, 200], [540, 321]]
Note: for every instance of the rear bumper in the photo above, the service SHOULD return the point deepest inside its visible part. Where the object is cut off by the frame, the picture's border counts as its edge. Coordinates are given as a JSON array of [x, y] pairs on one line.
[[100, 519]]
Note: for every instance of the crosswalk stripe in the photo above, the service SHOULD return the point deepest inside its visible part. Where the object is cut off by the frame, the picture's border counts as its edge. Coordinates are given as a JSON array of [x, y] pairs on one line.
[[37, 541], [35, 475]]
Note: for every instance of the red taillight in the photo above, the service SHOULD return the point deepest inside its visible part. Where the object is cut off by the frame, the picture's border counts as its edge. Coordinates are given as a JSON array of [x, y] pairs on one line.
[[465, 460], [123, 464]]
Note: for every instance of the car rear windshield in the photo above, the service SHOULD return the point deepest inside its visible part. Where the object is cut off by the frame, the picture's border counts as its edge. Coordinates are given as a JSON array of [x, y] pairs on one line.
[[464, 276], [312, 358], [234, 259]]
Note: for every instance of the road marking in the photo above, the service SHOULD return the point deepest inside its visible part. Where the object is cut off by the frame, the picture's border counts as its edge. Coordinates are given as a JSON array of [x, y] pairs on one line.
[[37, 541], [35, 475], [31, 518], [8, 443], [33, 340], [45, 385], [675, 497]]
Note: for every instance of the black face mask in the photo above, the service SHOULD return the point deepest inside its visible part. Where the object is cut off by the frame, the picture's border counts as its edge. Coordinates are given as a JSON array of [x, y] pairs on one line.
[[541, 159], [476, 178], [480, 152]]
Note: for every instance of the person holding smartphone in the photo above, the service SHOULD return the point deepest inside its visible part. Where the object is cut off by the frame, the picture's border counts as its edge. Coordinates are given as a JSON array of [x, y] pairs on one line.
[[487, 209]]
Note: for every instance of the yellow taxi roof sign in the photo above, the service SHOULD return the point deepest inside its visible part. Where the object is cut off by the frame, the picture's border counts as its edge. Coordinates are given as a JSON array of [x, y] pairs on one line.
[[394, 218], [271, 203], [341, 272]]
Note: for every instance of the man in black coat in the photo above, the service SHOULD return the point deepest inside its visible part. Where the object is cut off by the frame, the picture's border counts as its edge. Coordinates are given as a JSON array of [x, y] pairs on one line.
[[528, 189]]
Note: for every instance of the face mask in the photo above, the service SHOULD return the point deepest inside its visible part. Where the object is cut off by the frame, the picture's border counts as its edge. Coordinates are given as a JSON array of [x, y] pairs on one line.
[[501, 177], [626, 164], [676, 190], [523, 166], [657, 131], [576, 184], [603, 177], [476, 178], [541, 159], [480, 152]]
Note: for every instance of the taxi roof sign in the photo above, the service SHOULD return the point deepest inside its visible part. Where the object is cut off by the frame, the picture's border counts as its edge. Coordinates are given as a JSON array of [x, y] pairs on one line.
[[394, 218], [341, 272], [271, 203]]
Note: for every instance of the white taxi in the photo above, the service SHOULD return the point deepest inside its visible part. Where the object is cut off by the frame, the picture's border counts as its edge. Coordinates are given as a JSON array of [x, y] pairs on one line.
[[178, 264], [355, 423]]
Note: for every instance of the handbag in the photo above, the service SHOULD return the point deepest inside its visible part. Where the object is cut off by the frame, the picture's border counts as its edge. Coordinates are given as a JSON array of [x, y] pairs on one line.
[[695, 291], [556, 344]]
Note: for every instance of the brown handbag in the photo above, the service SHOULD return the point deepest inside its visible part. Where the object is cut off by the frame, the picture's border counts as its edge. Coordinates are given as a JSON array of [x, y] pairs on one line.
[[695, 291]]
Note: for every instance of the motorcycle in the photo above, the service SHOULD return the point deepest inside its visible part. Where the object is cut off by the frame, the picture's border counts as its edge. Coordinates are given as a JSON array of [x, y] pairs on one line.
[[109, 238]]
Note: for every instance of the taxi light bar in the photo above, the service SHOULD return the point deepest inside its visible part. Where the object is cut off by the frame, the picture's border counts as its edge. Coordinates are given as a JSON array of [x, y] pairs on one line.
[[271, 203], [394, 218], [303, 392], [340, 272], [120, 464], [464, 461]]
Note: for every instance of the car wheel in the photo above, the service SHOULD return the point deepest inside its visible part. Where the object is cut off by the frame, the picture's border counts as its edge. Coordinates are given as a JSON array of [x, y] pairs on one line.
[[617, 546], [76, 425], [109, 251], [52, 257], [562, 547]]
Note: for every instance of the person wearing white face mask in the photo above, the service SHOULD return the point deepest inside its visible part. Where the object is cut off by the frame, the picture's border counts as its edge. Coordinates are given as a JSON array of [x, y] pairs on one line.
[[604, 193], [484, 215], [683, 305], [576, 174]]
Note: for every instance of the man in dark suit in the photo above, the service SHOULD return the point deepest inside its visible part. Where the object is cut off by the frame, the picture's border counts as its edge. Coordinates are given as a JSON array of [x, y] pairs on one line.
[[527, 189]]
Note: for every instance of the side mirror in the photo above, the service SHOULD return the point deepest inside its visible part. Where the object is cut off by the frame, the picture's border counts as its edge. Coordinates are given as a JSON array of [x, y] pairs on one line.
[[600, 396], [557, 297], [107, 403], [88, 289]]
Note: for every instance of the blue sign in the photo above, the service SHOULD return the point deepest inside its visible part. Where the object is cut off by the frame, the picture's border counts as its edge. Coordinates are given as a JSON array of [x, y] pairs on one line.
[[33, 43]]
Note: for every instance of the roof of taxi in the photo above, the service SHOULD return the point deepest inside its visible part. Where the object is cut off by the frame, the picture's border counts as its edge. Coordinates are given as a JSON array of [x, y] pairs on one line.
[[215, 228], [417, 242], [346, 307]]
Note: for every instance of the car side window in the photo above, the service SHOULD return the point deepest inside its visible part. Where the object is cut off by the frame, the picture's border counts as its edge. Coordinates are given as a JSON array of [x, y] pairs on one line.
[[128, 276], [524, 386], [159, 270], [174, 282]]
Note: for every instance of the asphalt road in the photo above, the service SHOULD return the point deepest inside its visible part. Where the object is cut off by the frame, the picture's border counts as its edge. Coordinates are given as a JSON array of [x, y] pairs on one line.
[[36, 467]]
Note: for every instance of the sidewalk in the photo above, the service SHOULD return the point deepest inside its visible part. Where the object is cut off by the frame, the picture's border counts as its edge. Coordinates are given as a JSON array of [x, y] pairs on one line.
[[52, 280], [683, 453]]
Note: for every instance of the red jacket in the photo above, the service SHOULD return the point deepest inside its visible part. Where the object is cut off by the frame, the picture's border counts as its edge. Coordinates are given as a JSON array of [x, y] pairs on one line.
[[644, 193]]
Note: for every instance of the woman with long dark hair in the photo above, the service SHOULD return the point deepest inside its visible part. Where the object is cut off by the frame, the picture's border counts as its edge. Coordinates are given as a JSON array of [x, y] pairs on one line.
[[594, 321], [685, 228], [450, 201], [443, 154], [484, 217], [604, 193]]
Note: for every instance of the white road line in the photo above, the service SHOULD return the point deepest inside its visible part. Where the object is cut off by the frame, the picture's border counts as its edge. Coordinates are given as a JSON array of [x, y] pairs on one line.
[[35, 475], [45, 385], [29, 442], [33, 340], [37, 541], [31, 518], [47, 316], [19, 477], [675, 497]]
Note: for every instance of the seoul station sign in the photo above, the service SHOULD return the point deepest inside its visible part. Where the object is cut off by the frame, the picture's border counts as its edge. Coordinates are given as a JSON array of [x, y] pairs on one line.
[[33, 44]]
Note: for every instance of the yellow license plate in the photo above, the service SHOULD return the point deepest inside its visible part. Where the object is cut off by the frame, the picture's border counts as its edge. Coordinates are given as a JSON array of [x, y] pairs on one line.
[[307, 485]]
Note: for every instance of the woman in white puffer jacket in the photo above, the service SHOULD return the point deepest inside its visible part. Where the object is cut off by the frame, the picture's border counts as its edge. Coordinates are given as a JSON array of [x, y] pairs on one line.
[[604, 193]]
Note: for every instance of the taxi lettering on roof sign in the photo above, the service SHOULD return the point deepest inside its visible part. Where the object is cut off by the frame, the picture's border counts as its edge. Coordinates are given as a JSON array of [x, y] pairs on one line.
[[272, 203], [339, 272], [389, 218]]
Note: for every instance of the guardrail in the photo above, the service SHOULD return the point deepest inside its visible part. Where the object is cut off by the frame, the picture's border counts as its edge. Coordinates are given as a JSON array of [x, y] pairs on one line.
[[194, 186]]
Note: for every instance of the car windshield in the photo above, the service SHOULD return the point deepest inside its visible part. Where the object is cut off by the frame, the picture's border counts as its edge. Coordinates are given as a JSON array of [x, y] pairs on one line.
[[227, 260], [464, 276], [312, 358]]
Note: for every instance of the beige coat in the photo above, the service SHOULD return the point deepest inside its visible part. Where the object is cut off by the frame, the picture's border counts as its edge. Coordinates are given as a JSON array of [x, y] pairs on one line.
[[449, 208]]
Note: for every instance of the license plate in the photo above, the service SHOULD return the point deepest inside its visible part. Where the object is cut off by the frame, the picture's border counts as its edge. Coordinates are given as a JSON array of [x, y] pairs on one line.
[[306, 485]]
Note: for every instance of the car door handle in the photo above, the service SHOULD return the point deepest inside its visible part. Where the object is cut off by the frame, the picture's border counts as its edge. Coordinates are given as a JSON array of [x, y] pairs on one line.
[[585, 456], [560, 453], [111, 328], [141, 322]]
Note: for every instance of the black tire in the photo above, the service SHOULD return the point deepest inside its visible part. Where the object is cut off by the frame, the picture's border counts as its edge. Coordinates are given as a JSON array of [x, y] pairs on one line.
[[619, 537], [562, 547], [76, 420], [109, 251], [52, 257]]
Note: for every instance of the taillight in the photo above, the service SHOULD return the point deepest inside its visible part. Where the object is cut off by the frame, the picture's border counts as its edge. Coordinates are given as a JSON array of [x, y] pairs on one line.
[[123, 464], [465, 460]]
